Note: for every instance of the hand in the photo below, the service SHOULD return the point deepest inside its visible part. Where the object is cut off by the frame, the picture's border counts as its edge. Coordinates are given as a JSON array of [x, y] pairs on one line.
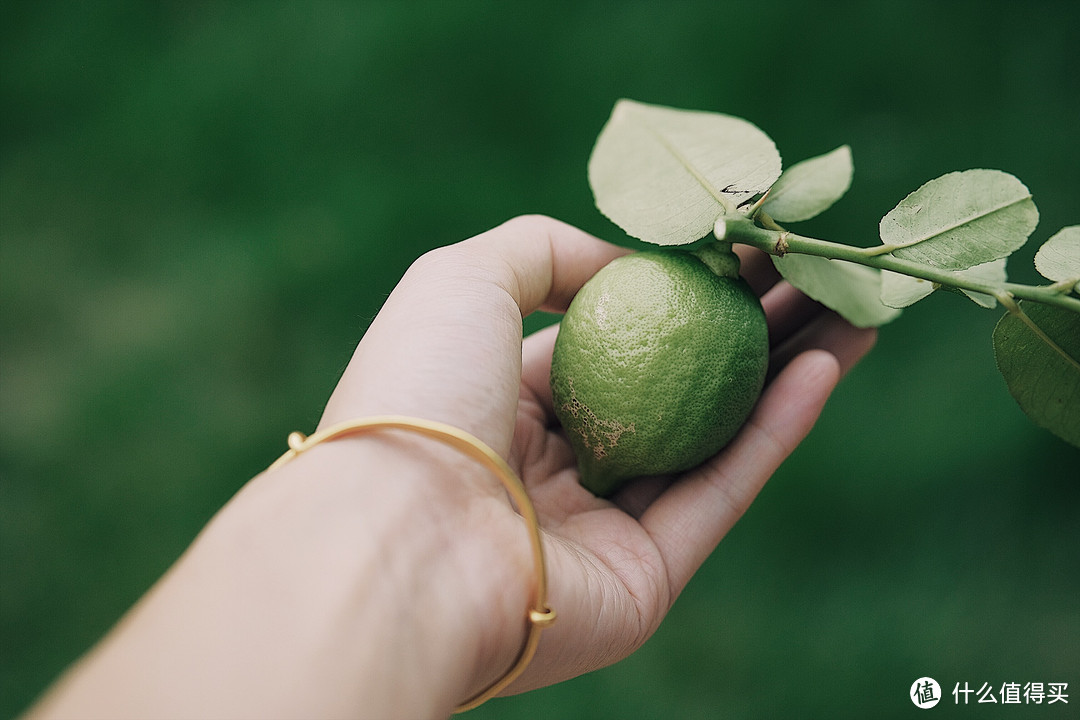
[[383, 576], [446, 347]]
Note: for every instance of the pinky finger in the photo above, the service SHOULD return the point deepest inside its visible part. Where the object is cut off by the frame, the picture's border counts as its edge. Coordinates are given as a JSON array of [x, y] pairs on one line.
[[689, 519]]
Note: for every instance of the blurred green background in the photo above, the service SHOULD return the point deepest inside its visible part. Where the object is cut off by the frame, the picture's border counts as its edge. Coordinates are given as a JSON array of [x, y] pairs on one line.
[[202, 205]]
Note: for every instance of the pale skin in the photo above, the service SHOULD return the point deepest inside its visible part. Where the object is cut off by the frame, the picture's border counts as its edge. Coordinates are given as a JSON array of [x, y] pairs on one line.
[[387, 576]]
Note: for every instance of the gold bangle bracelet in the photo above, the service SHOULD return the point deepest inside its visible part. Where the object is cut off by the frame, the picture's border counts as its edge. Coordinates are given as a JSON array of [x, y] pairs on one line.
[[539, 616]]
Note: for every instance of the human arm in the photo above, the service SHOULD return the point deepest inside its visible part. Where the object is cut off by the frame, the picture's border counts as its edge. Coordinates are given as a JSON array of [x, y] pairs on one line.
[[385, 576]]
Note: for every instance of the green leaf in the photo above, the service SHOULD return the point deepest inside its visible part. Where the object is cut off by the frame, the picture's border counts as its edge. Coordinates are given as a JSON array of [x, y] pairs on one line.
[[665, 175], [961, 219], [849, 289], [810, 187], [1040, 360], [991, 274], [1059, 257], [899, 291]]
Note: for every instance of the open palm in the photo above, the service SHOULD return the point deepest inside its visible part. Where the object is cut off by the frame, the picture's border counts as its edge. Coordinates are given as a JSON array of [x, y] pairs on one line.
[[446, 347]]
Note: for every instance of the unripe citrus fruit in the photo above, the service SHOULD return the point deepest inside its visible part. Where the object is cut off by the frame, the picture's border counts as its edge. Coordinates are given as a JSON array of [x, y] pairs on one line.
[[658, 362]]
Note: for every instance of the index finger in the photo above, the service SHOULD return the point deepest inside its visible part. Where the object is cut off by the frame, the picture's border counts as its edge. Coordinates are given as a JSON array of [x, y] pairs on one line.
[[544, 262]]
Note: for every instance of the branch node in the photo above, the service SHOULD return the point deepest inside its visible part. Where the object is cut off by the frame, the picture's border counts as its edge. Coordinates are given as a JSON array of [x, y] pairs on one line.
[[781, 247]]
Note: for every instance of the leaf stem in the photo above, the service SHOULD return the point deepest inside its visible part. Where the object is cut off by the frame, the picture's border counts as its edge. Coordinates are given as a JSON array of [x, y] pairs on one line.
[[776, 241], [1066, 286], [876, 250]]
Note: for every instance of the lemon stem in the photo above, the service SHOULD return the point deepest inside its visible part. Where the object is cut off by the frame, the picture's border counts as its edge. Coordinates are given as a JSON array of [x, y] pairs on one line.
[[719, 257]]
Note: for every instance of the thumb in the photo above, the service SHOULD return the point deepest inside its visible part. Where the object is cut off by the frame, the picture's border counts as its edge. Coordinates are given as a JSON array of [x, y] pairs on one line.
[[446, 345]]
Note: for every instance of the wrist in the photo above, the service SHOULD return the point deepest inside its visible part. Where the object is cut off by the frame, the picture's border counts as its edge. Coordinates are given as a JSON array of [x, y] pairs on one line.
[[434, 561]]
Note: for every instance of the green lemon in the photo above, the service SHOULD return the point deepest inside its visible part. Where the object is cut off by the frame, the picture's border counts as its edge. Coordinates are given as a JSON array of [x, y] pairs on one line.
[[658, 362]]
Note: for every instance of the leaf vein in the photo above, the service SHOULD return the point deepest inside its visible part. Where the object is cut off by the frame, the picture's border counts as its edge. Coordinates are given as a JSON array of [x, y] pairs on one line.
[[962, 222], [688, 166]]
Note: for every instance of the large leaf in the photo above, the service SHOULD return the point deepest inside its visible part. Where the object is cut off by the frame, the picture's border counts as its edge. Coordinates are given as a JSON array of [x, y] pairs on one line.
[[1042, 367], [961, 219], [665, 175], [1059, 257], [810, 187], [849, 289]]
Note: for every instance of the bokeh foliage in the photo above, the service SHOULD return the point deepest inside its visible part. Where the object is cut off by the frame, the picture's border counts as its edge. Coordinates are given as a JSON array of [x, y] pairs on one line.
[[202, 204]]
